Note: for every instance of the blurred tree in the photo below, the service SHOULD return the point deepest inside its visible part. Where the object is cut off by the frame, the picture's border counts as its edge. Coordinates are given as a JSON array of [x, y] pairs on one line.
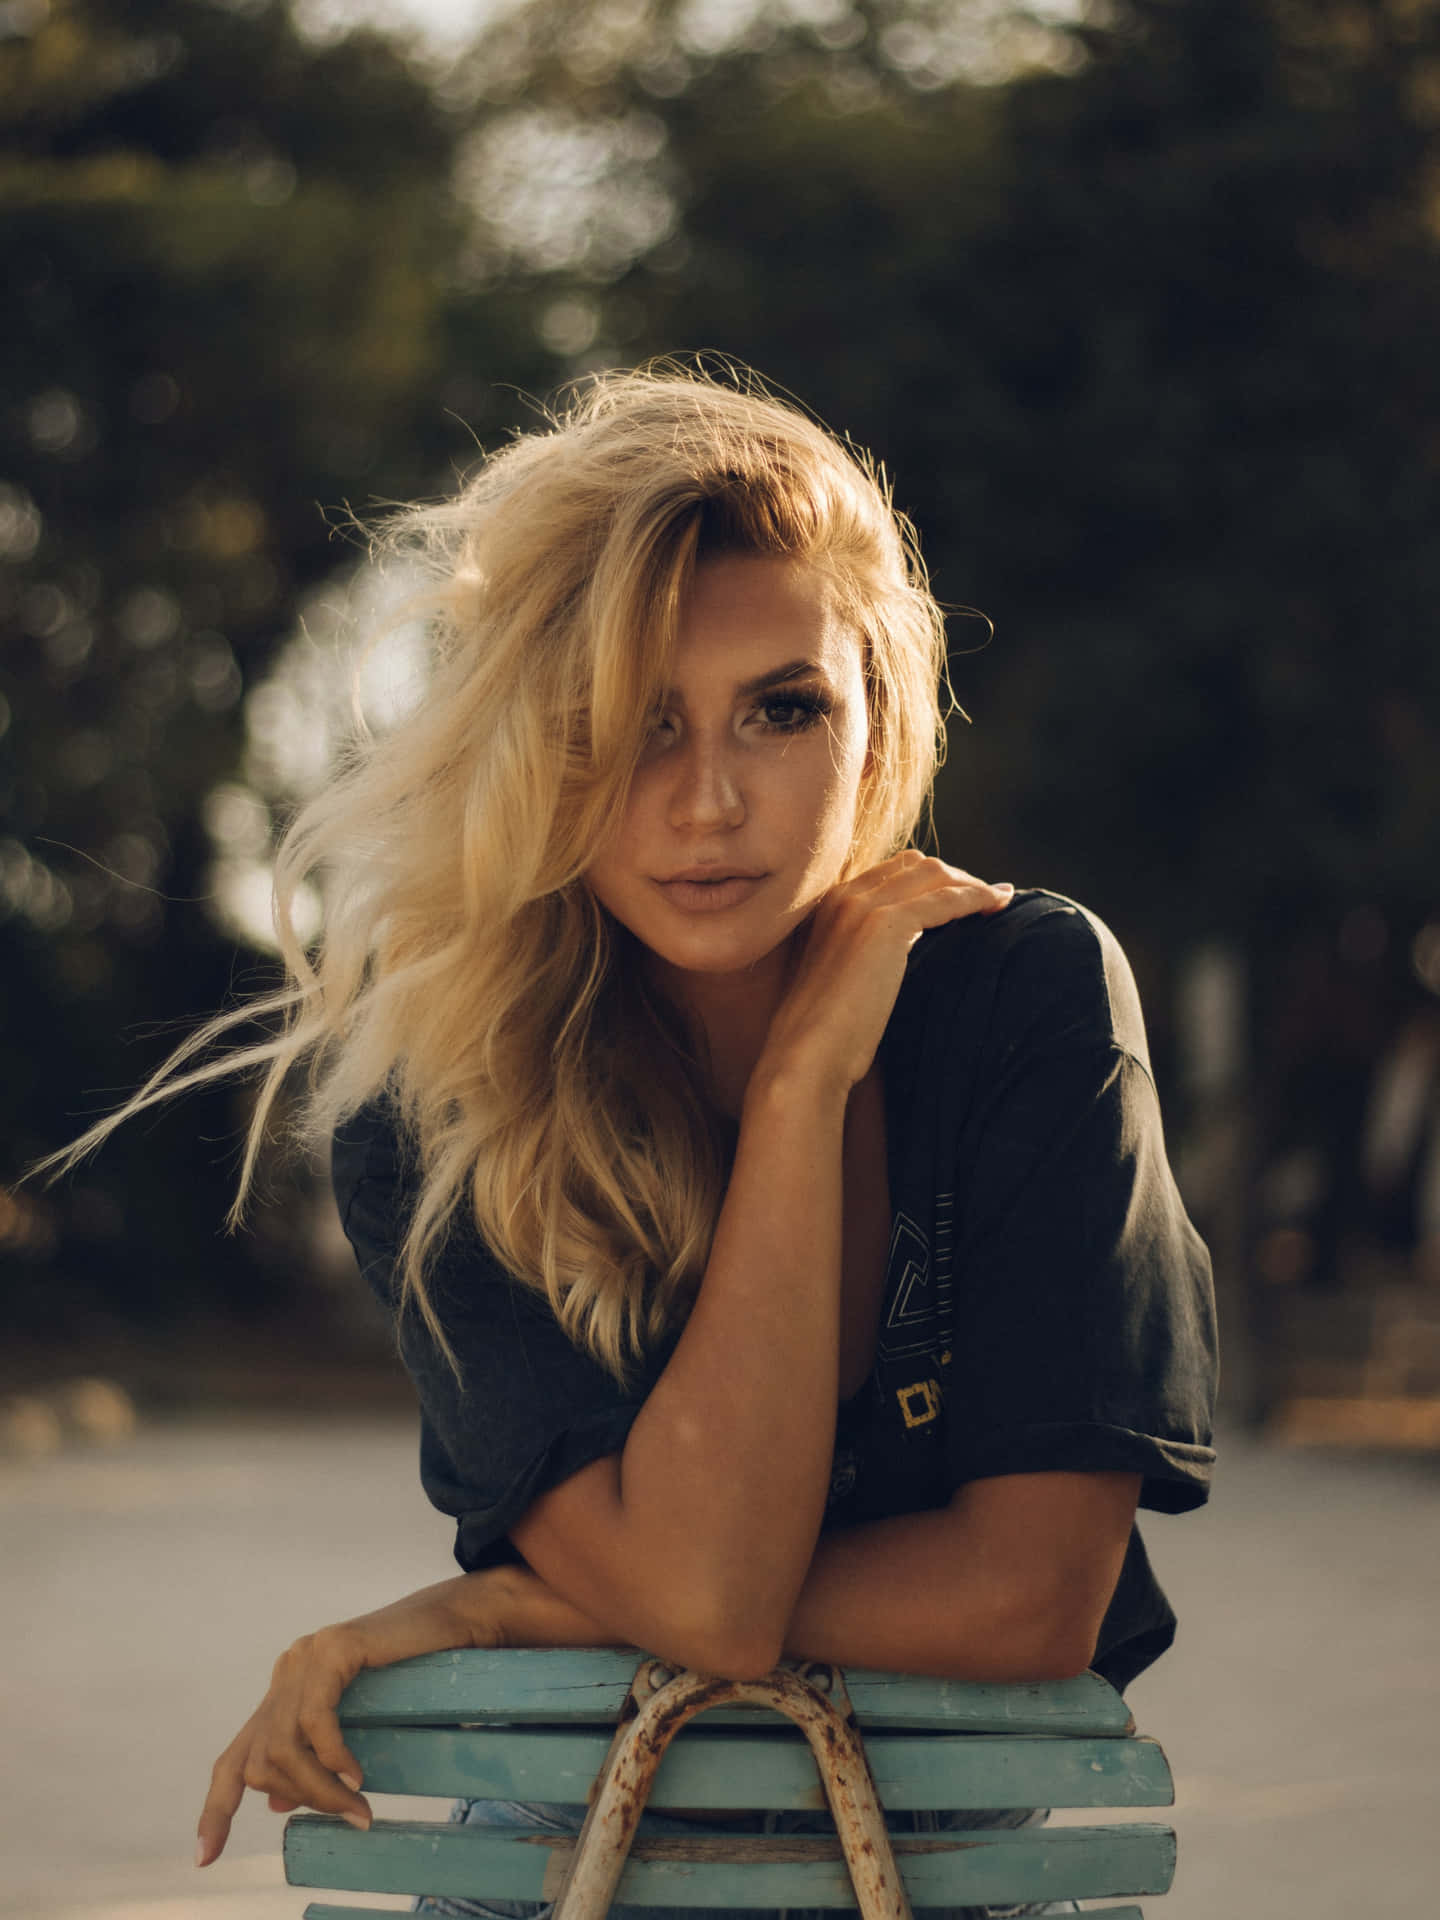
[[1229, 227], [1140, 308], [228, 303]]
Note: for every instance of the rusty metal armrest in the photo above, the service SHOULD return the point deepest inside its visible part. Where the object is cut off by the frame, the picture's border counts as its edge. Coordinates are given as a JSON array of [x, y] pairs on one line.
[[812, 1695]]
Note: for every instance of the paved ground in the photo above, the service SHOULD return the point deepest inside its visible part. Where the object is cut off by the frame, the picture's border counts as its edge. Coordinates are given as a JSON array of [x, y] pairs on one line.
[[143, 1594]]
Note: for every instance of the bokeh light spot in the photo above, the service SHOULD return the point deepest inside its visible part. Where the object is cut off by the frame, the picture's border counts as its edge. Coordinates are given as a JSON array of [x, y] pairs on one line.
[[55, 419], [150, 617]]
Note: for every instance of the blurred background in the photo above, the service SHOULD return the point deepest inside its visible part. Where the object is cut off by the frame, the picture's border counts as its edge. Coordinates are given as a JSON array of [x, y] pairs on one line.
[[1138, 302]]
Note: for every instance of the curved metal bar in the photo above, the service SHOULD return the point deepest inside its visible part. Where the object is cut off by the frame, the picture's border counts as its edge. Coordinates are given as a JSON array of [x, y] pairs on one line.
[[658, 1705]]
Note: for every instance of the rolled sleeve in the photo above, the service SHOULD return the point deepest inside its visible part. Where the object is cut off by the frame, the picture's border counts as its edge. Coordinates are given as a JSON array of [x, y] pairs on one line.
[[1084, 1310]]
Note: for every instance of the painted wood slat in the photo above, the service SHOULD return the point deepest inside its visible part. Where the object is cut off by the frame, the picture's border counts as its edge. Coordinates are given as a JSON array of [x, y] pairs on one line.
[[322, 1910], [326, 1910], [1086, 1704], [588, 1686], [318, 1910], [960, 1869], [706, 1769]]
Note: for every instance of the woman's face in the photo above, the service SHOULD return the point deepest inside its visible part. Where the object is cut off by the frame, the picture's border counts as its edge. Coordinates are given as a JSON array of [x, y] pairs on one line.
[[742, 812]]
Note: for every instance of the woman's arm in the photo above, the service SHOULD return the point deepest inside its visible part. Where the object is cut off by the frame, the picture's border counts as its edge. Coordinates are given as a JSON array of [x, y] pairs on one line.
[[291, 1748], [695, 1540], [1009, 1582]]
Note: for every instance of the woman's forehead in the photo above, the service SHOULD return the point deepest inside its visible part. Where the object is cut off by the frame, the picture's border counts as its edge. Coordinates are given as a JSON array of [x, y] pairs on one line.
[[757, 621]]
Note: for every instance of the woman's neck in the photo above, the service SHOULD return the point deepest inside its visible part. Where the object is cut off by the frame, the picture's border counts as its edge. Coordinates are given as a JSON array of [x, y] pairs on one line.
[[729, 1016]]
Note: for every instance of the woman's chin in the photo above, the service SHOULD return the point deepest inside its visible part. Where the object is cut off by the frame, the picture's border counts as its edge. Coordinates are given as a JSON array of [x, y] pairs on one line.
[[718, 952]]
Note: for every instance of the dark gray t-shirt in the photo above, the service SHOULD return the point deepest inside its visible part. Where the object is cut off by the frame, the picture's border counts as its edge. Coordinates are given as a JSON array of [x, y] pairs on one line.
[[1047, 1303]]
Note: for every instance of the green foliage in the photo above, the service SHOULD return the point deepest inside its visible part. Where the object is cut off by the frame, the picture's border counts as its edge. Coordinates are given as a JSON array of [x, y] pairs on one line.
[[228, 310], [1231, 213]]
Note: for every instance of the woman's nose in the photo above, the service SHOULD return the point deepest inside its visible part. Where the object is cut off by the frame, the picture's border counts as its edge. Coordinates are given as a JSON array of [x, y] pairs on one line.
[[706, 793]]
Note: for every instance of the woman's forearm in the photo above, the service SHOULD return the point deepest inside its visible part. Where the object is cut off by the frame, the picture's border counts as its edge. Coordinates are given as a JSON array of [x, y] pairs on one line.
[[498, 1607], [695, 1541], [1010, 1581], [730, 1457], [532, 1614], [899, 1595], [875, 1596], [941, 1592]]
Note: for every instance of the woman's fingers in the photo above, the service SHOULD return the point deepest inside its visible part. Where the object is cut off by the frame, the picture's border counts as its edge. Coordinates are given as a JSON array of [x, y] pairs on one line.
[[296, 1751], [290, 1772], [322, 1729], [300, 1753], [843, 987], [912, 874], [921, 893], [335, 1659], [943, 904], [227, 1790], [291, 1749], [926, 875], [953, 899]]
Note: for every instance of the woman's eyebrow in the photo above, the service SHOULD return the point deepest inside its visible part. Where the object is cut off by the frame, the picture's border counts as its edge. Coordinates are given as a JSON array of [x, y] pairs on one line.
[[776, 677], [792, 670]]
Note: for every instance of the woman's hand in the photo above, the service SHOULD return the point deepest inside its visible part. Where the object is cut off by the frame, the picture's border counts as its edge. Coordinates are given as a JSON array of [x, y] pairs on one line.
[[291, 1748], [852, 961]]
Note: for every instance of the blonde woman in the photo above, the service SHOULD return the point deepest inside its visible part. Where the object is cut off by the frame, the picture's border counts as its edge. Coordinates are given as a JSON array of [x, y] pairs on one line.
[[775, 1219]]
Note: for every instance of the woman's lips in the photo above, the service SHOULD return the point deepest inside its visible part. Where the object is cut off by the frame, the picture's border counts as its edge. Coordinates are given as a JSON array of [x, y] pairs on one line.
[[710, 896]]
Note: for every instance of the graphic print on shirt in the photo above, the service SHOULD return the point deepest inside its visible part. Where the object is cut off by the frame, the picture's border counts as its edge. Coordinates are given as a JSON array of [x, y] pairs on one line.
[[920, 1403], [912, 1345]]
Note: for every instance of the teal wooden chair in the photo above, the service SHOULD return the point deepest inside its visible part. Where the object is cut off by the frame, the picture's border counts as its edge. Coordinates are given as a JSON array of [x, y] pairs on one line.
[[578, 1726]]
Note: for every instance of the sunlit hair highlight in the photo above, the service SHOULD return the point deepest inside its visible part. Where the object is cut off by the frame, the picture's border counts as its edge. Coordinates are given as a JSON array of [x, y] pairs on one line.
[[465, 970]]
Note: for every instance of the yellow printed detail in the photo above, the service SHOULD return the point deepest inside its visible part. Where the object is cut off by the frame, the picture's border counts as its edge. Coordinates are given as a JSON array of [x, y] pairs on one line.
[[921, 1403]]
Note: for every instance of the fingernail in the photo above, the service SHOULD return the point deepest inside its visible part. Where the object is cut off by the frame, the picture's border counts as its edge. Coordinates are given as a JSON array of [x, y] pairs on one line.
[[351, 1782], [200, 1855], [360, 1821], [1003, 886]]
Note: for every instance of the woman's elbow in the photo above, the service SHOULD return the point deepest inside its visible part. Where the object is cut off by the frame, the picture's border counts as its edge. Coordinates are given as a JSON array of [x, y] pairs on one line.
[[715, 1622], [728, 1648], [1032, 1641], [1061, 1642], [742, 1660], [1063, 1658]]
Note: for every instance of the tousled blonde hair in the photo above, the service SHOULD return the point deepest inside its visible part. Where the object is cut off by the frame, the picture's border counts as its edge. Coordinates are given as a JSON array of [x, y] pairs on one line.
[[464, 968]]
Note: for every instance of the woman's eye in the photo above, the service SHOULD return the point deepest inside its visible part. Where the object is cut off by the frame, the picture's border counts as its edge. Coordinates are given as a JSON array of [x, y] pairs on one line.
[[792, 715]]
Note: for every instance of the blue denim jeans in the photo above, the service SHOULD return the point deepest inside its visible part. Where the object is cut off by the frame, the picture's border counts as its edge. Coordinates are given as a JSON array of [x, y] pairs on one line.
[[567, 1819]]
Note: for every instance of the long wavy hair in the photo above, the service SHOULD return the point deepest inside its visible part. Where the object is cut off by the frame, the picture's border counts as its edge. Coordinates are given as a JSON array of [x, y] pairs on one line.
[[464, 968]]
